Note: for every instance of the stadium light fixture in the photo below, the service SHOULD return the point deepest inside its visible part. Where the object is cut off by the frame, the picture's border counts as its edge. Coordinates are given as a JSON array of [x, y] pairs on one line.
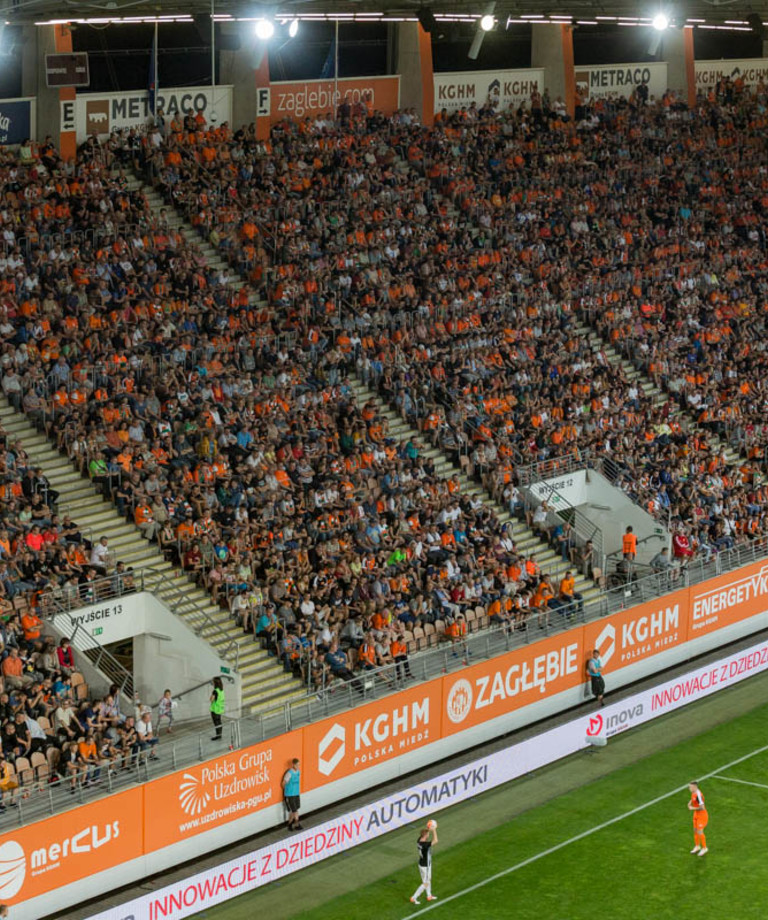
[[265, 29], [660, 22], [487, 22], [293, 28]]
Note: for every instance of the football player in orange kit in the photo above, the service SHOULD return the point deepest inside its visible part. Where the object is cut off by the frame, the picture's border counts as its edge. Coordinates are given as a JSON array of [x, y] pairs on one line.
[[700, 819]]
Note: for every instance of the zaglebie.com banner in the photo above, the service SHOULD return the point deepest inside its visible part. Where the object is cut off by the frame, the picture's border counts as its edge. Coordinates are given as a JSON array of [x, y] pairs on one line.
[[269, 863]]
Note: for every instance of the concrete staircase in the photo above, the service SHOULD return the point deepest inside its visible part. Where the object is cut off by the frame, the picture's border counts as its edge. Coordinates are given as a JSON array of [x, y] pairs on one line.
[[177, 222], [526, 540], [657, 396], [265, 685]]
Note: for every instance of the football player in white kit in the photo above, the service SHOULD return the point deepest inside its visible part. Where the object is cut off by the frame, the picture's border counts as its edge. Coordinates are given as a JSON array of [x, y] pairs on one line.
[[427, 839]]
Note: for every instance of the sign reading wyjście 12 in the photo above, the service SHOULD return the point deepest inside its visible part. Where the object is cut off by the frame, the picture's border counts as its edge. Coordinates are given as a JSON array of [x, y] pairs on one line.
[[67, 69]]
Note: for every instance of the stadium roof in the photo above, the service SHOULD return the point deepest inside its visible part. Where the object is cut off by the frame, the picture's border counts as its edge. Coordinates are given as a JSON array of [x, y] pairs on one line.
[[730, 13]]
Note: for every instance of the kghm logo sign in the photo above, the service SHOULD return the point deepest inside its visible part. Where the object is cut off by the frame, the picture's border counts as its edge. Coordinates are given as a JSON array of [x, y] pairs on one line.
[[376, 738], [606, 643], [13, 869], [640, 636], [192, 795], [335, 735]]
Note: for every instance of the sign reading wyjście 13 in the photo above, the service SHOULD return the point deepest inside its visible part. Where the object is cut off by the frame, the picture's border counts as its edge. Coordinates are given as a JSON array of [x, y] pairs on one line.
[[67, 69]]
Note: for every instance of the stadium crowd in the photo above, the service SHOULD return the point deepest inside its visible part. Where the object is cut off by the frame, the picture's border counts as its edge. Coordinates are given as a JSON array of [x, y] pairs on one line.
[[449, 266]]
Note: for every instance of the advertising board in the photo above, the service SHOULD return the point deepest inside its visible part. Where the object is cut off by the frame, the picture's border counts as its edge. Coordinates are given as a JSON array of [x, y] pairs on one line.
[[17, 117], [751, 70], [310, 98], [206, 889], [621, 80], [502, 88], [215, 792], [102, 113], [175, 809]]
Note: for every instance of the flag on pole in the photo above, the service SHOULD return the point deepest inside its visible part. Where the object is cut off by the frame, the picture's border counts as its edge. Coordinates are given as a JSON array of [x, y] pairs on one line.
[[329, 67]]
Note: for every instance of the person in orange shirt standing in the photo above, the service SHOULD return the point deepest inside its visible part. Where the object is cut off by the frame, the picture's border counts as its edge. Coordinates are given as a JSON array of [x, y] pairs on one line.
[[629, 545], [700, 819], [399, 652]]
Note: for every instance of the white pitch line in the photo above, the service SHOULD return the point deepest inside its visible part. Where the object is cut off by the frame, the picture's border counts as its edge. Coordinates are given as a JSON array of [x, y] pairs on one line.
[[744, 782], [565, 843]]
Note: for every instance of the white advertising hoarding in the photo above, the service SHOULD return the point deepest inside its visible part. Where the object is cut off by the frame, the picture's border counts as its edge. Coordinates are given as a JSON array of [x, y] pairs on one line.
[[103, 113], [504, 88], [205, 889], [752, 71], [621, 80]]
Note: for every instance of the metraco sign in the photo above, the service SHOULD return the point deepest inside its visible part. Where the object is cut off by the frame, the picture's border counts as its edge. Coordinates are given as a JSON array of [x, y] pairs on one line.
[[215, 792], [98, 114], [621, 80], [311, 98], [209, 888], [752, 71], [371, 734], [64, 848], [502, 88]]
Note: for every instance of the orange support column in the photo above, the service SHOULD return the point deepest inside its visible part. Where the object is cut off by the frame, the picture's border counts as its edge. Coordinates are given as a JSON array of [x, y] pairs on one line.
[[427, 77], [569, 77], [67, 134], [263, 98], [690, 67]]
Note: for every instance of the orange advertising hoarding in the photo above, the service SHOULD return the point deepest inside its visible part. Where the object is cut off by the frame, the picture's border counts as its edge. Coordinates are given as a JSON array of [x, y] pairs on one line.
[[508, 682], [43, 856], [84, 841], [217, 791], [728, 599], [360, 738], [639, 632], [310, 98]]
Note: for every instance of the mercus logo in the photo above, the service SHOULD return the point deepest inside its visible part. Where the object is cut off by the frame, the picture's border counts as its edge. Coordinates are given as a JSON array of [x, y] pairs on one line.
[[192, 795], [459, 703], [13, 869], [84, 841]]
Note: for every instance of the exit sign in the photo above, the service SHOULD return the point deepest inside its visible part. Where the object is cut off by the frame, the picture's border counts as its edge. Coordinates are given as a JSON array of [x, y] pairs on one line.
[[223, 669], [98, 631]]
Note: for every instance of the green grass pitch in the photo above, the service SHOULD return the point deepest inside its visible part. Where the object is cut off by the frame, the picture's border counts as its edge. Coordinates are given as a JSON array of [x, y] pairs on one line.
[[634, 868]]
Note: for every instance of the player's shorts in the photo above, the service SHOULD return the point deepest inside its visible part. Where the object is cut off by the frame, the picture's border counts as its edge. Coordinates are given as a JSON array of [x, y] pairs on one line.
[[700, 819], [426, 873], [293, 803], [598, 686]]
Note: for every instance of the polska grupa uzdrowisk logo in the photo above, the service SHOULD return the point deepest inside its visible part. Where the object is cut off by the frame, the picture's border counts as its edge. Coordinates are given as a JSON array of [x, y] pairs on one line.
[[192, 795]]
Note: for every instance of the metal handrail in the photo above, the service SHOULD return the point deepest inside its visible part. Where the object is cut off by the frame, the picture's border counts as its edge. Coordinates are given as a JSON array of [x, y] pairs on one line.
[[484, 644]]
